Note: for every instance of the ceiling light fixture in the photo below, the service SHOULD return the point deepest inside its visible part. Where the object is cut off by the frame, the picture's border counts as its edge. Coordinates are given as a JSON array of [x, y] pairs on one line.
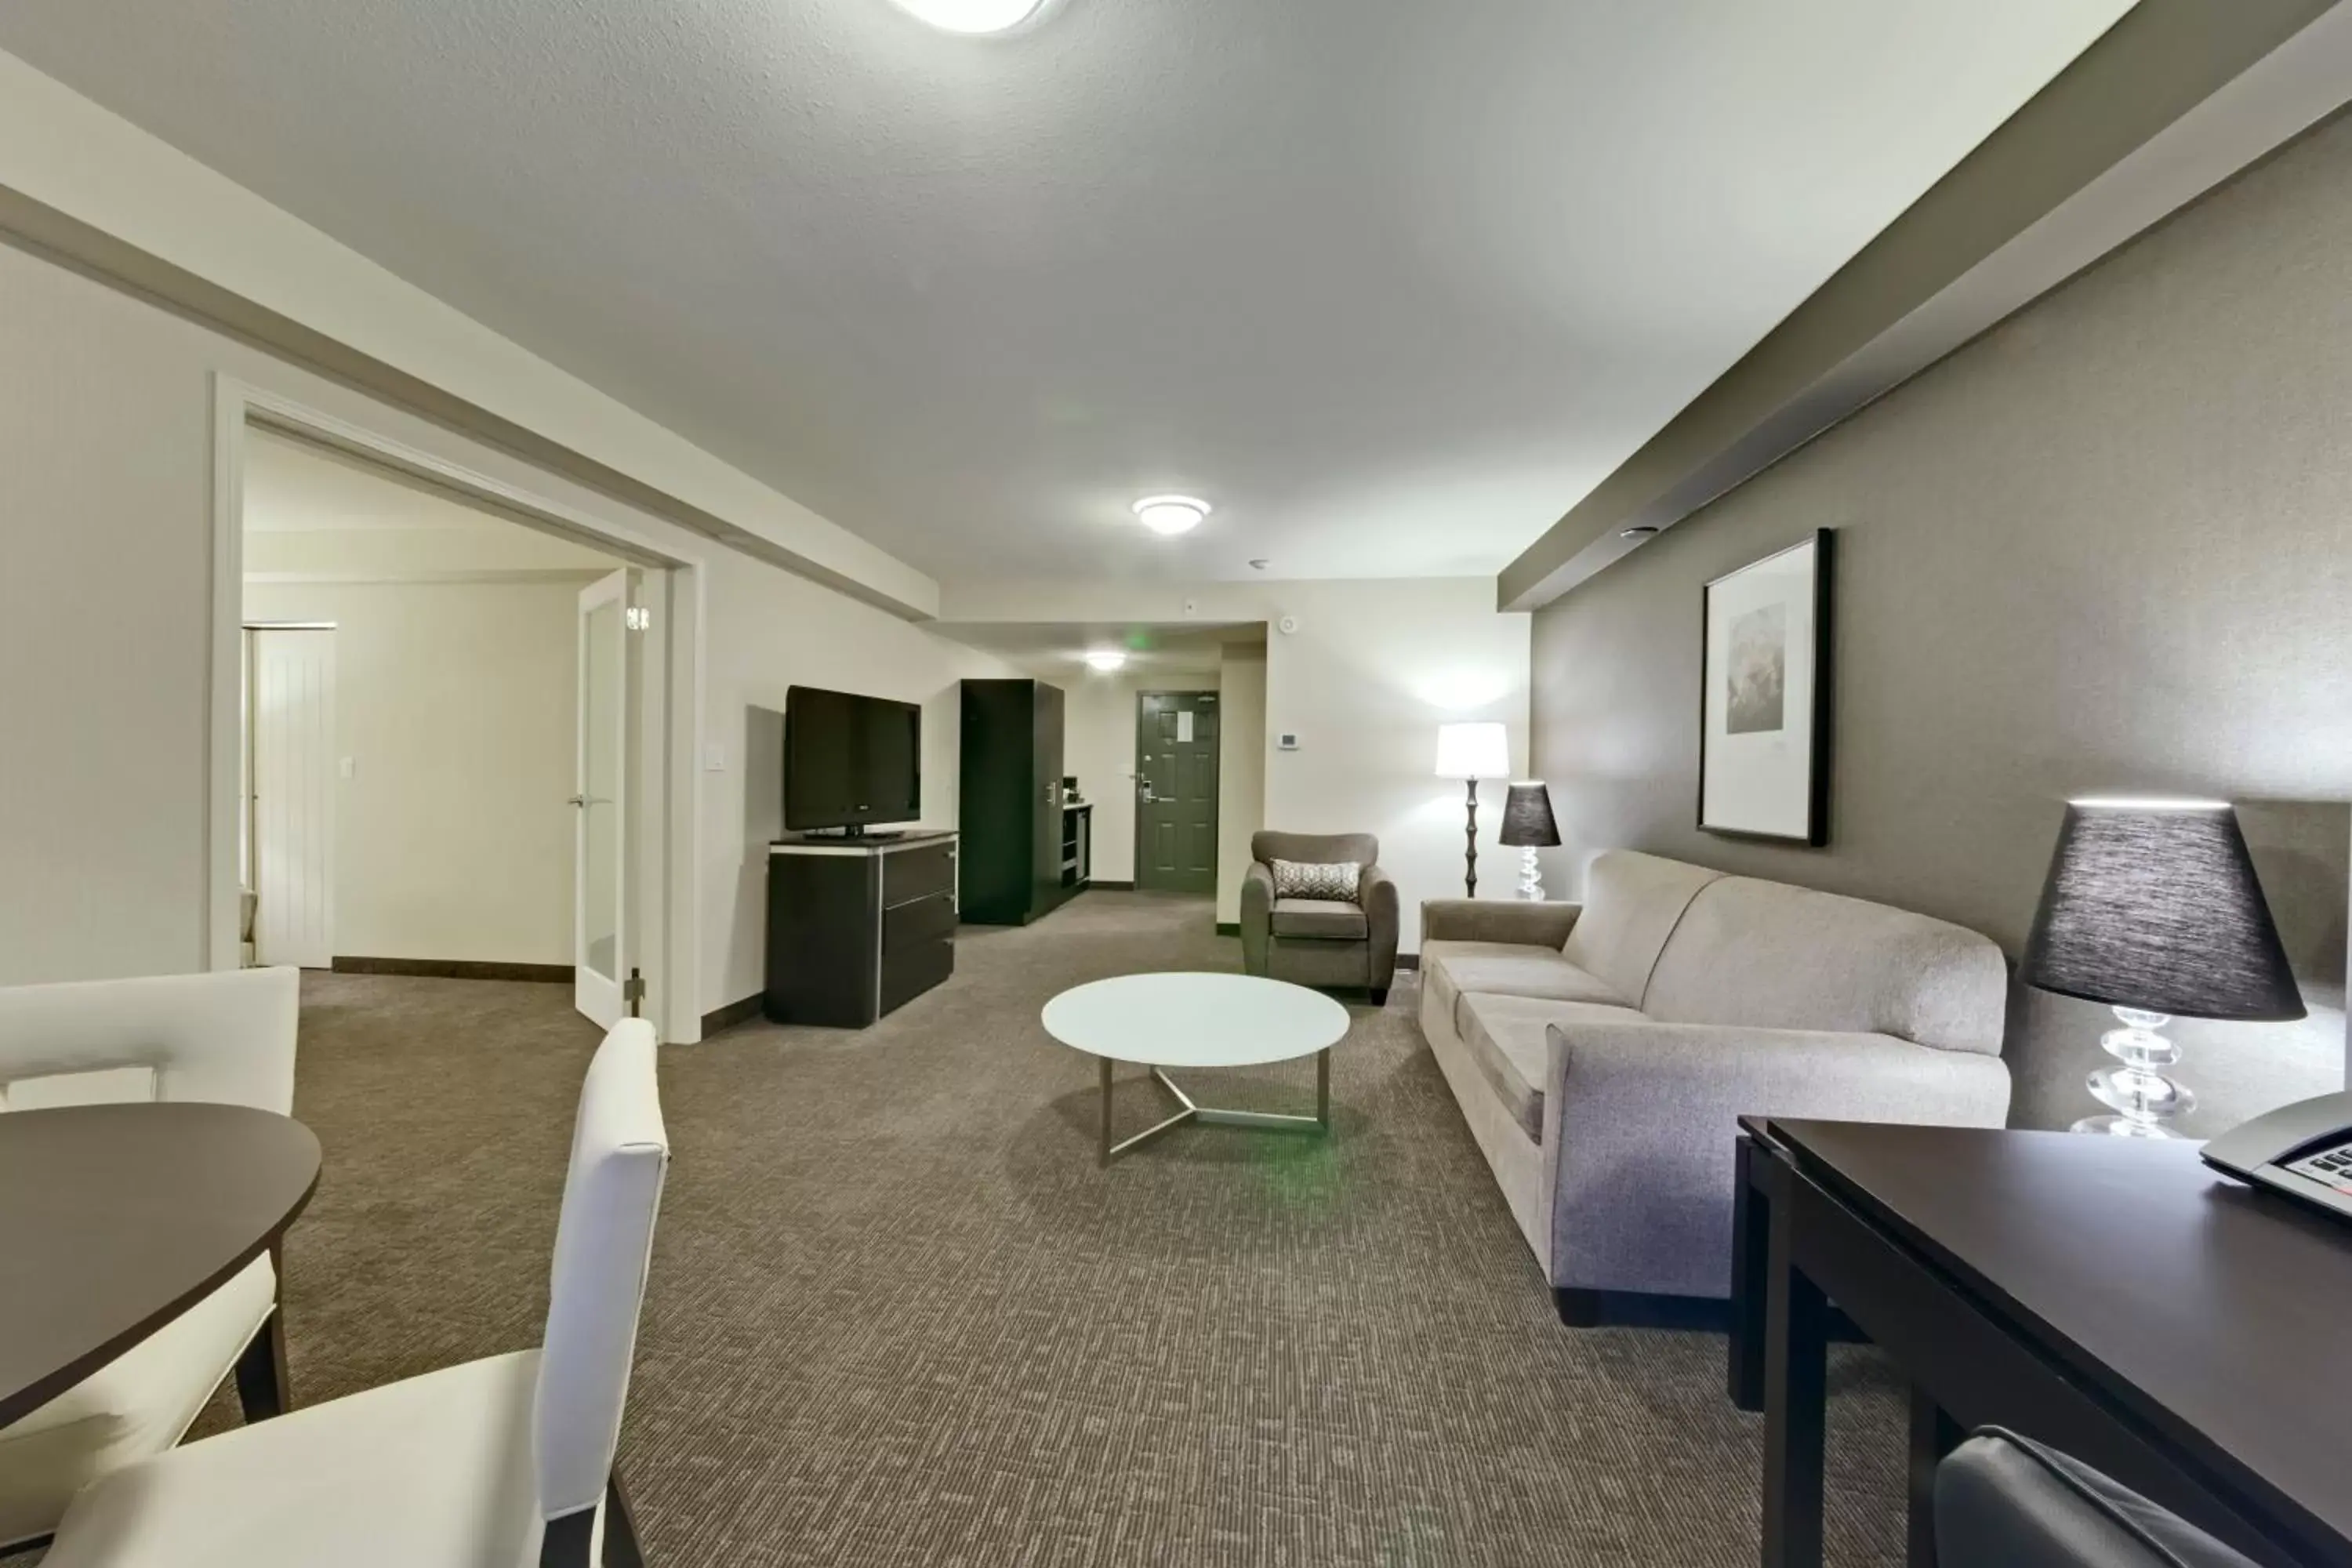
[[1170, 515], [972, 15], [1639, 530], [1105, 659]]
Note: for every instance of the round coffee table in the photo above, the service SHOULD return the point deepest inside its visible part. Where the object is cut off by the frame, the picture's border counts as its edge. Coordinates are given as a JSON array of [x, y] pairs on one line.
[[115, 1219], [1161, 1021]]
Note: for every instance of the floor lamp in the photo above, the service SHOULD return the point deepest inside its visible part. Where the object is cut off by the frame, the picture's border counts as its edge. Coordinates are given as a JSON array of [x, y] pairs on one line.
[[1471, 752]]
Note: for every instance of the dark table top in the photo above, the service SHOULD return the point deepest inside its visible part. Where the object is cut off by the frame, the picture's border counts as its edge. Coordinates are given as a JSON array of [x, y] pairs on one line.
[[2215, 1311], [114, 1219]]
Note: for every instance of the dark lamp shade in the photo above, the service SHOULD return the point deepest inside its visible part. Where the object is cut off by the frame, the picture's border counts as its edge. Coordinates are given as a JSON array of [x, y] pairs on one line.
[[2157, 907], [1527, 817]]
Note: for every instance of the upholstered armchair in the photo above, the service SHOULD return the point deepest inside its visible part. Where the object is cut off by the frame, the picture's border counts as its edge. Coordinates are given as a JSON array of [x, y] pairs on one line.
[[1321, 942], [224, 1038]]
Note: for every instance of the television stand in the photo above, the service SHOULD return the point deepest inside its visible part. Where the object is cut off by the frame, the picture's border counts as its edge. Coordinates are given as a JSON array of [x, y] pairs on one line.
[[854, 834], [857, 924]]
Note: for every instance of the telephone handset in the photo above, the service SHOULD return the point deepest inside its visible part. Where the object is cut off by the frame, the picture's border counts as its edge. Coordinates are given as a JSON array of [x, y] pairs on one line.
[[2303, 1150]]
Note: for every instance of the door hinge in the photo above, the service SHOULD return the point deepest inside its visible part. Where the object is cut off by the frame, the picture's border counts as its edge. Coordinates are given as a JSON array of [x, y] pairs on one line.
[[632, 990], [638, 619]]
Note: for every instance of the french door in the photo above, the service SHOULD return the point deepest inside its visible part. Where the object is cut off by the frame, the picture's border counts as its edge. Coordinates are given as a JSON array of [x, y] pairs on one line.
[[603, 935]]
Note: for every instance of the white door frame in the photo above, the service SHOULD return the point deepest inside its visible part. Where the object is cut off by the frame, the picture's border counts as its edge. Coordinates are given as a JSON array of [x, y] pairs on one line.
[[676, 589]]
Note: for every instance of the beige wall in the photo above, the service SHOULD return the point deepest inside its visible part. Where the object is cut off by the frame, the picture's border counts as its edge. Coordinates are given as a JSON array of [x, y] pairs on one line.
[[1372, 668], [455, 703], [105, 439], [770, 631], [2108, 547], [1241, 771]]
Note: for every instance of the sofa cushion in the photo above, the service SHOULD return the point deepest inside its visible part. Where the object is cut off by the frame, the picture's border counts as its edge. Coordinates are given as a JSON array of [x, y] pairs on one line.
[[1506, 1038], [1450, 969], [1780, 957], [1340, 919], [1632, 904]]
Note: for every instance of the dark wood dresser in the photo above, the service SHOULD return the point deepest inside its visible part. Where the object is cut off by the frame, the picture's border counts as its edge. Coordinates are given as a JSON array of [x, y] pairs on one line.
[[857, 927]]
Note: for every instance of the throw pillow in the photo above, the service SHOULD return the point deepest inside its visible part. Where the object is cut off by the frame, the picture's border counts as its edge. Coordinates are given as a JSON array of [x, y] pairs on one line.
[[1334, 880]]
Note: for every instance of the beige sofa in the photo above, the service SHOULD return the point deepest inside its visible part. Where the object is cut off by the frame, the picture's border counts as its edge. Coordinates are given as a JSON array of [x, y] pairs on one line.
[[1602, 1053]]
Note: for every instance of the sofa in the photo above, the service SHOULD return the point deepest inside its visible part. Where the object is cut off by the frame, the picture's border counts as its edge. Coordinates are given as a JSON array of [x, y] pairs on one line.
[[1327, 942], [1602, 1053]]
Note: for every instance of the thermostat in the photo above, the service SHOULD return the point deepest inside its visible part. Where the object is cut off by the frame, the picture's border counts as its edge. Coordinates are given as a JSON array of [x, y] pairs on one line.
[[1286, 741]]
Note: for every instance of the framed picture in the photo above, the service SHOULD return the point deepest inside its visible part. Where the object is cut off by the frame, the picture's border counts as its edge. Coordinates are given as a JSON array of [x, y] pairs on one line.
[[1764, 719]]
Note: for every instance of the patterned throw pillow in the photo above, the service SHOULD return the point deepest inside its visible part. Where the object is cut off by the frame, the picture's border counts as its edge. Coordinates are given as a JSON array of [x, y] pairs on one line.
[[1336, 879]]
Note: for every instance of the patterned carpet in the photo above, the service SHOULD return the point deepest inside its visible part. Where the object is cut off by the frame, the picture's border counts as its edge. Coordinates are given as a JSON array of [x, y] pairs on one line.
[[898, 1317]]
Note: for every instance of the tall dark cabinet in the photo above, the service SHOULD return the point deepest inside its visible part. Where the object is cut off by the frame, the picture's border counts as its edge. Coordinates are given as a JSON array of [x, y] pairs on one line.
[[1012, 806]]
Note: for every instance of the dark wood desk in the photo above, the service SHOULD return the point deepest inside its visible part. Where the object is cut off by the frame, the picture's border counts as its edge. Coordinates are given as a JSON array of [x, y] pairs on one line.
[[2113, 1298], [115, 1219]]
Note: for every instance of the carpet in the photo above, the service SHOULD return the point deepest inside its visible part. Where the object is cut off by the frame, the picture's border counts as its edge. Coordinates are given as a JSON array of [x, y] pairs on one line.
[[897, 1316]]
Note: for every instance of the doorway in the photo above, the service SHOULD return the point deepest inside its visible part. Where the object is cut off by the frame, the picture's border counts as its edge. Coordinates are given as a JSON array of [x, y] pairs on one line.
[[1176, 791], [287, 808], [491, 765]]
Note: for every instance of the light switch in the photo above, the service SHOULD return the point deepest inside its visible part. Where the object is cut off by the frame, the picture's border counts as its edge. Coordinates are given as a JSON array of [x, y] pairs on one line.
[[348, 767], [714, 757]]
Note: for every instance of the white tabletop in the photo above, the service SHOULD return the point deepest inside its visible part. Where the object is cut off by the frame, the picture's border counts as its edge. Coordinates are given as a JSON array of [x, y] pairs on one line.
[[1195, 1020]]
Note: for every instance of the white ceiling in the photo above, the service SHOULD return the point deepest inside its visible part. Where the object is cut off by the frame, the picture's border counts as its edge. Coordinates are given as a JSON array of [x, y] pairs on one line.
[[1392, 284], [311, 509]]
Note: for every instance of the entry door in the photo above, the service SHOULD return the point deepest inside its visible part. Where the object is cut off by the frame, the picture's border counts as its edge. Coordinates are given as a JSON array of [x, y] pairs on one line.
[[291, 733], [1176, 791], [603, 942]]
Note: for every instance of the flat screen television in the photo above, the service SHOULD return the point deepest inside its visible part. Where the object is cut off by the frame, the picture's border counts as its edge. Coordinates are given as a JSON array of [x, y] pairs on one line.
[[850, 762]]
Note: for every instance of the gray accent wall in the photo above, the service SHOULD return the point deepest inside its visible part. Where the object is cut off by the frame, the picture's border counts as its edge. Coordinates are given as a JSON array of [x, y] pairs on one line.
[[2107, 547]]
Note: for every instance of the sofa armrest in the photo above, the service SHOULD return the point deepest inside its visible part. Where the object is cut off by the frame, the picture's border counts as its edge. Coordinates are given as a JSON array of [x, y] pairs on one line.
[[1640, 1120], [1257, 916], [1522, 921], [1376, 895]]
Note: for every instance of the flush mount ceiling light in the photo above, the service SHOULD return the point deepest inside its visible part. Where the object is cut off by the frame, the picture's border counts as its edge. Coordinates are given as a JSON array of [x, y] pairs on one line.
[[1170, 515], [1105, 659], [972, 15]]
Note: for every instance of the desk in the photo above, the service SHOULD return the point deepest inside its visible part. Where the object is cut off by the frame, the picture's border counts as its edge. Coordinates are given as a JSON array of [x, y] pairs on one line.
[[2110, 1297], [115, 1219]]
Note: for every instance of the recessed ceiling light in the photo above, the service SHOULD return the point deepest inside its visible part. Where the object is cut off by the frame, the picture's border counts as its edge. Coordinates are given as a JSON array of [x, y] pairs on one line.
[[1105, 659], [1170, 514], [1639, 530], [972, 15]]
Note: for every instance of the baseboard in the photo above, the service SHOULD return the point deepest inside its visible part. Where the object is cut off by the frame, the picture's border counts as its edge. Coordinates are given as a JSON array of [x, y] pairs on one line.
[[1229, 928], [454, 968], [1104, 884], [734, 1013]]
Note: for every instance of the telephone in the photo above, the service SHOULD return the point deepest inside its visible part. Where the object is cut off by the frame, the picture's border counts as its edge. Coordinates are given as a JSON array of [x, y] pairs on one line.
[[2303, 1150]]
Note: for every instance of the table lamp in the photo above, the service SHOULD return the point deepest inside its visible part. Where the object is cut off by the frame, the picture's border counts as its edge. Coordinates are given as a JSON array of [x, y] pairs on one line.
[[1527, 825], [1471, 752], [2152, 907]]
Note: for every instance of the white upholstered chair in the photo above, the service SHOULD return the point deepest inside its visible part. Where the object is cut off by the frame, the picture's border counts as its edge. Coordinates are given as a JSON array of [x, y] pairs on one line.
[[500, 1463], [226, 1039]]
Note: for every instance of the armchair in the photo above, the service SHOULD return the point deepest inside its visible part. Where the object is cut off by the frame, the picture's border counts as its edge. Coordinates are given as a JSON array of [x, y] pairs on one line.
[[1325, 943], [225, 1039]]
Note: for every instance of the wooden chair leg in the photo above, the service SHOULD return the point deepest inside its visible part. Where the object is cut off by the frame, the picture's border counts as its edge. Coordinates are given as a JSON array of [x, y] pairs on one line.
[[263, 1387]]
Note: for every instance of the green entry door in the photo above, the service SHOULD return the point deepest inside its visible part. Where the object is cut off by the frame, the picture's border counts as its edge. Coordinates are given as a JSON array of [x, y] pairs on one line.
[[1176, 791]]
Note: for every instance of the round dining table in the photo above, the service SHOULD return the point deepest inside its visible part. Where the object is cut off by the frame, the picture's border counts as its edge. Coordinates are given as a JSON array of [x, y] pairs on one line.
[[115, 1219]]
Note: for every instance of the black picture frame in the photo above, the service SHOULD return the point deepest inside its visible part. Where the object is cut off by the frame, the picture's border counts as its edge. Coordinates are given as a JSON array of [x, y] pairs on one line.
[[1815, 722]]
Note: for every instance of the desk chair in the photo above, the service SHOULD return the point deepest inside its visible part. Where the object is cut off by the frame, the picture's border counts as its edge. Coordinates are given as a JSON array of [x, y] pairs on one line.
[[2004, 1502]]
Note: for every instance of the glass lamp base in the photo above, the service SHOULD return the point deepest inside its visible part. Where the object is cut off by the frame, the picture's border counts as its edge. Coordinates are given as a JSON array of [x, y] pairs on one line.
[[2123, 1127], [1530, 876], [2142, 1097]]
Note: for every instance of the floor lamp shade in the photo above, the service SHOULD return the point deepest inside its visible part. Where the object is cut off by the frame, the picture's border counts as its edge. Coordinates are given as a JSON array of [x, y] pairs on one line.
[[2153, 908], [2157, 907]]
